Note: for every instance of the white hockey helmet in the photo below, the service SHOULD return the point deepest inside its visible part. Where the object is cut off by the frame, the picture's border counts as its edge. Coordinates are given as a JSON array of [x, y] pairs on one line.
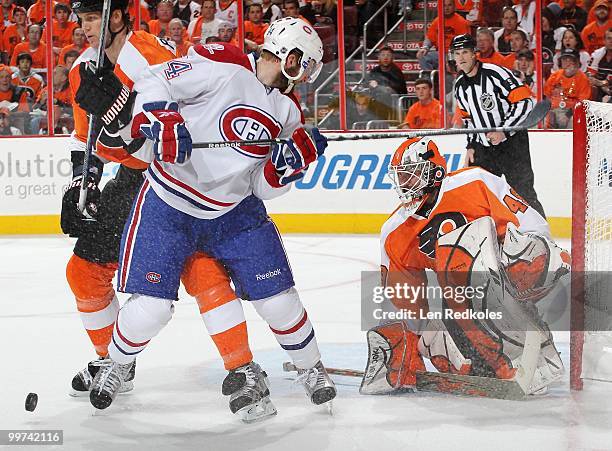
[[416, 168], [287, 34]]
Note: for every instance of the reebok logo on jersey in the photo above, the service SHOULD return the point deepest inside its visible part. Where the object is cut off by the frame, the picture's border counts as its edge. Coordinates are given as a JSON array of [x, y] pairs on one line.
[[153, 277], [268, 275]]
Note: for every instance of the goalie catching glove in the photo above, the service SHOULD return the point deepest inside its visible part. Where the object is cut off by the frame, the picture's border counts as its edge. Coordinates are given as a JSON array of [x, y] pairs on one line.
[[163, 124], [533, 264], [289, 161]]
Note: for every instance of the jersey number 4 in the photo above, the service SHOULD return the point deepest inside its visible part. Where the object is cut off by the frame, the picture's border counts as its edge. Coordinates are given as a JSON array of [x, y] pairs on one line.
[[515, 203]]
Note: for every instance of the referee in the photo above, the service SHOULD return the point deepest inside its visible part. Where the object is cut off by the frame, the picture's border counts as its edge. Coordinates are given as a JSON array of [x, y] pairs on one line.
[[487, 96]]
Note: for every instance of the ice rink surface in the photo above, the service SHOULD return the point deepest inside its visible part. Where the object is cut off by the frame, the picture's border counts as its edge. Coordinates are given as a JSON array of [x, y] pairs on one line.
[[177, 402]]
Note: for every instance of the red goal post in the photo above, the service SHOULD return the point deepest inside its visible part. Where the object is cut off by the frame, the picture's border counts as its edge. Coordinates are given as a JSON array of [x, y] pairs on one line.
[[591, 292]]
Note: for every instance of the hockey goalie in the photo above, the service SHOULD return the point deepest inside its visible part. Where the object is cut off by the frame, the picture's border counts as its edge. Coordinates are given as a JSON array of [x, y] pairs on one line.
[[493, 259]]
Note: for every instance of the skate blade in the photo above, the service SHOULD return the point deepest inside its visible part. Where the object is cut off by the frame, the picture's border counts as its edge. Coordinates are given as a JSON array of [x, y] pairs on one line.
[[126, 387], [257, 412], [330, 407]]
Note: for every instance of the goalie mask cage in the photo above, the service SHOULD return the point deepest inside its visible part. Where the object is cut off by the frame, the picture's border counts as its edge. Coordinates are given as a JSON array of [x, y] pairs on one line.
[[591, 307]]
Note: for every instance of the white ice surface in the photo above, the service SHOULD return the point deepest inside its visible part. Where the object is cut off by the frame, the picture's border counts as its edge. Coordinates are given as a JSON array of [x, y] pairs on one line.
[[177, 403]]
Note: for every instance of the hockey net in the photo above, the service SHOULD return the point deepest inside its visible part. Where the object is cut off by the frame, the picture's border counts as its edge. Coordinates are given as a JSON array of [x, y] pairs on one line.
[[591, 316]]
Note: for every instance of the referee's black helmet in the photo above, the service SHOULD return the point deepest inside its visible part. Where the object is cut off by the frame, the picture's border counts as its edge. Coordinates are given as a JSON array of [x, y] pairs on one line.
[[463, 41]]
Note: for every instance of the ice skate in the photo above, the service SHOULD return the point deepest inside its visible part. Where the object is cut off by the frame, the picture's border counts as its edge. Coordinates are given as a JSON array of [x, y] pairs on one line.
[[318, 385], [109, 380], [250, 393], [81, 382]]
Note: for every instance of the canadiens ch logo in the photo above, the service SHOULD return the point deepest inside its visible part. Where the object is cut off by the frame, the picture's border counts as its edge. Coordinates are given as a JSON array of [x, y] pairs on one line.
[[246, 122], [153, 277], [487, 102]]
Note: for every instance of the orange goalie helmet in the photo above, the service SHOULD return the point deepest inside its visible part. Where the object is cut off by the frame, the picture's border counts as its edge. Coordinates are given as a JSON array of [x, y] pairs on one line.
[[416, 169]]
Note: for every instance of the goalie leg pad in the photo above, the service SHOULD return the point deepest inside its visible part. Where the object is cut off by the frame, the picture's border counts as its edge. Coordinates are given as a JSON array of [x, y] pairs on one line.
[[439, 347], [393, 359]]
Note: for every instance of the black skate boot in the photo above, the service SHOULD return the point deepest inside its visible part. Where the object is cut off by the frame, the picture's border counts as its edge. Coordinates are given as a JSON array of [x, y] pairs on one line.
[[250, 393], [81, 382], [108, 382]]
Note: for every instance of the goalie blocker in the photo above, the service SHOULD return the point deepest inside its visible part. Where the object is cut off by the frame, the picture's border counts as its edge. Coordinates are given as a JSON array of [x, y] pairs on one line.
[[465, 226]]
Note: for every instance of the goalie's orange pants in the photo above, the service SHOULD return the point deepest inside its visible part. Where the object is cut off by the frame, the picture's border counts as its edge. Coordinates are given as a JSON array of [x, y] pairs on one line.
[[203, 277]]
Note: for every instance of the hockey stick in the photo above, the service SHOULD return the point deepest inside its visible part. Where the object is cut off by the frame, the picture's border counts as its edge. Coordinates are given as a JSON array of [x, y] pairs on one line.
[[288, 366], [106, 7], [536, 115]]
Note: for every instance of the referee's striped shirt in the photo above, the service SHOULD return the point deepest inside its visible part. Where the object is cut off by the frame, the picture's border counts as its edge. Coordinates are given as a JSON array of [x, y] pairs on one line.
[[492, 98]]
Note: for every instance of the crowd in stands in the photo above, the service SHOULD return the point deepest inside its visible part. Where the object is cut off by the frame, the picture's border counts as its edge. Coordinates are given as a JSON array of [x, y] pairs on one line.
[[576, 54]]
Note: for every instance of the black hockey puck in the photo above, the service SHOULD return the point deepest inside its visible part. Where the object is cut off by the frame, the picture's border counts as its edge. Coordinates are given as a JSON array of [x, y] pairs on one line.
[[31, 402]]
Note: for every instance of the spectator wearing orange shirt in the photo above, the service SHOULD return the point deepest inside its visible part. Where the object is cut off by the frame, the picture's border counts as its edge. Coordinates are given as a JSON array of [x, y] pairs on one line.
[[463, 7], [565, 88], [254, 27], [518, 42], [176, 32], [62, 103], [7, 13], [145, 16], [36, 12], [486, 51], [25, 78], [291, 8], [426, 112], [34, 47], [10, 92], [70, 57], [593, 34], [15, 33], [79, 44], [62, 28], [159, 26], [454, 25]]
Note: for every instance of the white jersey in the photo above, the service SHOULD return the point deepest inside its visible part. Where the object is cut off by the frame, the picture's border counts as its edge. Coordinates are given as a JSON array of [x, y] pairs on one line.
[[221, 99], [229, 14]]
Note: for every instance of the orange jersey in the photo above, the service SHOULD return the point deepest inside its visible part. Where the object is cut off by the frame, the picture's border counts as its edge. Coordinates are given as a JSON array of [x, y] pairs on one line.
[[10, 96], [510, 59], [68, 48], [464, 6], [565, 92], [495, 58], [181, 49], [408, 242], [63, 36], [255, 32], [140, 51], [39, 56], [593, 35], [428, 116], [33, 82], [36, 12], [11, 37], [452, 27], [144, 12]]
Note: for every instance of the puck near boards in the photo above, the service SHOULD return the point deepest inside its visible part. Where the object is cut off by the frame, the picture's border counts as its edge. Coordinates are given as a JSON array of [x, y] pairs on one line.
[[31, 402]]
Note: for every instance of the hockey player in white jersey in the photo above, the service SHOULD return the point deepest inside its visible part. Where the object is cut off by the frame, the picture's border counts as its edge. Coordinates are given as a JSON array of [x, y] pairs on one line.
[[210, 200], [473, 230]]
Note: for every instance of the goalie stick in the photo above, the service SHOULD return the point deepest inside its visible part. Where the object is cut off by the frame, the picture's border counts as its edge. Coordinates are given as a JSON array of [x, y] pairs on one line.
[[536, 115], [455, 384], [106, 7]]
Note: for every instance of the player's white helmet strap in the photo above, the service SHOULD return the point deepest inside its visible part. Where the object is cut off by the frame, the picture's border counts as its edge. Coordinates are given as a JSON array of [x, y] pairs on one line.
[[287, 34]]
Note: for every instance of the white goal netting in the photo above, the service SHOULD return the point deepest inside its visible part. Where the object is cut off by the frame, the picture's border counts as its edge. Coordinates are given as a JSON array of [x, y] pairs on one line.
[[597, 350]]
